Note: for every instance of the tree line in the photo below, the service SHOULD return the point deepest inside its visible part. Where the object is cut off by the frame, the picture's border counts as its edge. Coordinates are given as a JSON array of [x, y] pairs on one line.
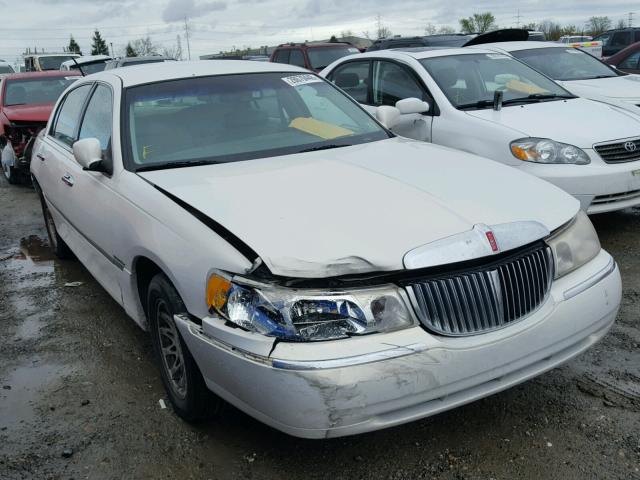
[[136, 48]]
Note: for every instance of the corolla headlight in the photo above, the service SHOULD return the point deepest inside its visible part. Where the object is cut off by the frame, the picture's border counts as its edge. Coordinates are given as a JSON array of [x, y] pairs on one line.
[[574, 245], [543, 150], [307, 315]]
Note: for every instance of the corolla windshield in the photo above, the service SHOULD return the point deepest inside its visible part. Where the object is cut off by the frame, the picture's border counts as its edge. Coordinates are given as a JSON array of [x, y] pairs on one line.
[[565, 63], [240, 117], [35, 91], [470, 81]]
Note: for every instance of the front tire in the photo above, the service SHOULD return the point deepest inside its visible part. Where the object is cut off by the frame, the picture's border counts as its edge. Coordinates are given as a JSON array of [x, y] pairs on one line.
[[10, 172], [181, 377]]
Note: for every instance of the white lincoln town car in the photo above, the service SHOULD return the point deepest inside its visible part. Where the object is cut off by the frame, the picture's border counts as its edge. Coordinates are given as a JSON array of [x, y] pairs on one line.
[[291, 256]]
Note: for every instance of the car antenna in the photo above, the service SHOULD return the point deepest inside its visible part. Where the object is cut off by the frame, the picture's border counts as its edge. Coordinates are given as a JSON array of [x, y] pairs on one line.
[[79, 67], [498, 95]]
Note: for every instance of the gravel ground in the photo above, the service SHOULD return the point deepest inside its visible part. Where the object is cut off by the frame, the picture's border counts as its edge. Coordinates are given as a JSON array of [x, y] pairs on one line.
[[79, 394]]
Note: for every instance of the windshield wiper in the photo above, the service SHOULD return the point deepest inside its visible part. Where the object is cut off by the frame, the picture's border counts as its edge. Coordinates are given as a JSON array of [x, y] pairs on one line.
[[537, 97], [323, 147], [164, 166], [478, 104]]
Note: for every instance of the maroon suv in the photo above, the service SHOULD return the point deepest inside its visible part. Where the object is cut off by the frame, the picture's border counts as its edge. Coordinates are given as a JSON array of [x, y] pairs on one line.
[[313, 56]]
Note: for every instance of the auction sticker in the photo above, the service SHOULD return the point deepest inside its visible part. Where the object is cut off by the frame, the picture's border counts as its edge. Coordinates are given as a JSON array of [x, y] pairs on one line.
[[297, 80]]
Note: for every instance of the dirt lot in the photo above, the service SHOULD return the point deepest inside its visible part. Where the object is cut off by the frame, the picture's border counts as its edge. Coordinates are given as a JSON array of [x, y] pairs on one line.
[[79, 394]]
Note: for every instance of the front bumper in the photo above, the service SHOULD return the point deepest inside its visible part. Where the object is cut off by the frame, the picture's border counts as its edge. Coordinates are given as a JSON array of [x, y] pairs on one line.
[[600, 187], [351, 386]]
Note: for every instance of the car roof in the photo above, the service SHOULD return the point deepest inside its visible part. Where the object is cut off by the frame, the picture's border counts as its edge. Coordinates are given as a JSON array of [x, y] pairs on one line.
[[45, 74], [515, 46], [423, 52], [164, 71]]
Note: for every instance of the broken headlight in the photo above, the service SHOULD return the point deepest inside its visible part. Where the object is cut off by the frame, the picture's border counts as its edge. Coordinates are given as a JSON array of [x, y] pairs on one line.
[[307, 315]]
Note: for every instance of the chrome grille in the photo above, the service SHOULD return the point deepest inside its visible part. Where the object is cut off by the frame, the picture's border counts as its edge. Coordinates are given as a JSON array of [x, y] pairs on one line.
[[618, 153], [484, 299]]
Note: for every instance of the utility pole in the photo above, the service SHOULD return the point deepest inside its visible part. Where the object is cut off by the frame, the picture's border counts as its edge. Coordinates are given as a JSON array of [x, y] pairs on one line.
[[186, 34], [111, 44], [518, 19], [631, 19]]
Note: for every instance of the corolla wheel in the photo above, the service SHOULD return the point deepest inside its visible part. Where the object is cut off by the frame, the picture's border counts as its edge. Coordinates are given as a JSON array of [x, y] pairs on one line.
[[172, 358], [183, 382]]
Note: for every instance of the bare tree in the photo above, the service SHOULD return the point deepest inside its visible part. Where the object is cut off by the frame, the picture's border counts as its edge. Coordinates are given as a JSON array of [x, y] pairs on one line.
[[551, 29], [431, 29], [382, 31], [597, 25], [622, 24], [144, 46], [174, 51], [346, 34], [478, 23]]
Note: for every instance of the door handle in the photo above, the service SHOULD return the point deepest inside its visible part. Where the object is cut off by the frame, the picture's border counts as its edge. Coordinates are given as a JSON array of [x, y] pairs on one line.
[[40, 156], [68, 179]]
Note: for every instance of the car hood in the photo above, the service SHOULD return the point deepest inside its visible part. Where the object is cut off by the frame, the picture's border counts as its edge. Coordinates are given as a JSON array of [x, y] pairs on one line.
[[28, 113], [563, 121], [361, 208], [626, 87]]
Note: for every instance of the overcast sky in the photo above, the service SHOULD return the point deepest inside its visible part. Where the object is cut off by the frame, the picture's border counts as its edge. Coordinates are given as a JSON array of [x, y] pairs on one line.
[[221, 24]]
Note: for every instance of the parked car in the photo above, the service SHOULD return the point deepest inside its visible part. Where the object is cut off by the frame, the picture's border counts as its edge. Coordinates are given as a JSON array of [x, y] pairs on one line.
[[495, 106], [439, 40], [5, 67], [130, 61], [26, 101], [40, 62], [87, 64], [627, 60], [615, 40], [312, 56], [577, 71], [568, 39], [293, 256]]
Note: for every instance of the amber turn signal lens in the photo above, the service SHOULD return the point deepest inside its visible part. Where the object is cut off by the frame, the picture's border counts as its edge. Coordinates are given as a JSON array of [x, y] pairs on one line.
[[519, 152], [217, 292]]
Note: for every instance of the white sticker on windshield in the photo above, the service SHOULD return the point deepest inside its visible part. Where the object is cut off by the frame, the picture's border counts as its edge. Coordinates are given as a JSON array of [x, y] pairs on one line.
[[296, 80], [496, 56]]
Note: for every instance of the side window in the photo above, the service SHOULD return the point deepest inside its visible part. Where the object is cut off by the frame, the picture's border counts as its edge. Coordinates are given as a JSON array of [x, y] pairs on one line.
[[353, 78], [621, 39], [98, 118], [631, 62], [296, 57], [282, 56], [392, 82], [68, 115]]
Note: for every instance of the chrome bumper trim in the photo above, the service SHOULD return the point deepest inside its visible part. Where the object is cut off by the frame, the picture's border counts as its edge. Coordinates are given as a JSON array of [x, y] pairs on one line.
[[590, 282]]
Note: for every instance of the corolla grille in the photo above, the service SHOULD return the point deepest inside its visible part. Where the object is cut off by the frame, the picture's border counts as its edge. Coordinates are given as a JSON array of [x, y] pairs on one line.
[[619, 152], [486, 299]]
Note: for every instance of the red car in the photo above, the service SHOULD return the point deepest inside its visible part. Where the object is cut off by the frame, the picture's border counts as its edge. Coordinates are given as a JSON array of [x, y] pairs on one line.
[[627, 60], [312, 56], [26, 101]]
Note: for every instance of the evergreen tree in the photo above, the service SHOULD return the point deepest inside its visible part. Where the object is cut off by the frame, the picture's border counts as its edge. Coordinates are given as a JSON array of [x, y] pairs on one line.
[[98, 45], [73, 46], [130, 52]]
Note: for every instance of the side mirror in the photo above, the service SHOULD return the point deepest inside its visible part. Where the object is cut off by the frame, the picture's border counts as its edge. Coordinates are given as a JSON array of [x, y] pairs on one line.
[[388, 115], [88, 154], [412, 105]]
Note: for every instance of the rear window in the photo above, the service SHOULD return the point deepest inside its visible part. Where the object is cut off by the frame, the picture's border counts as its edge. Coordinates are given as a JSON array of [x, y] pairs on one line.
[[6, 69], [321, 57], [52, 63], [35, 91]]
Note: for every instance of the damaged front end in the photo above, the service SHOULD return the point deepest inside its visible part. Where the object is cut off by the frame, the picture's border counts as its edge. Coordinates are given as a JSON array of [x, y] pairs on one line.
[[20, 136]]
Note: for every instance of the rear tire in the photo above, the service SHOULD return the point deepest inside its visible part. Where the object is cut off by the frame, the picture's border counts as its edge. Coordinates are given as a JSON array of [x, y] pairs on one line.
[[10, 174], [181, 377], [57, 244]]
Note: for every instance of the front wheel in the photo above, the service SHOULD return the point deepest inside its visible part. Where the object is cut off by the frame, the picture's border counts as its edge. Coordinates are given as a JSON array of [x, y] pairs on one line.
[[189, 395], [10, 172]]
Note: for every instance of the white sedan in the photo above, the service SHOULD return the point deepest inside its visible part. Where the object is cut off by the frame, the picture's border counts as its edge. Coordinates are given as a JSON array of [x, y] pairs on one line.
[[293, 256], [492, 105], [578, 72]]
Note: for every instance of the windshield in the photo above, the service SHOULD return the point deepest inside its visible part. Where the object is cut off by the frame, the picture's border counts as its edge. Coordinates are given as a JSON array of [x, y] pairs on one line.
[[89, 68], [35, 91], [565, 63], [470, 79], [239, 117], [321, 57], [52, 63]]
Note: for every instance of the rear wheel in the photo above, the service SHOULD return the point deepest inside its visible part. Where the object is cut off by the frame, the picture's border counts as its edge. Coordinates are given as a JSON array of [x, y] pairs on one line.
[[57, 244], [187, 391]]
